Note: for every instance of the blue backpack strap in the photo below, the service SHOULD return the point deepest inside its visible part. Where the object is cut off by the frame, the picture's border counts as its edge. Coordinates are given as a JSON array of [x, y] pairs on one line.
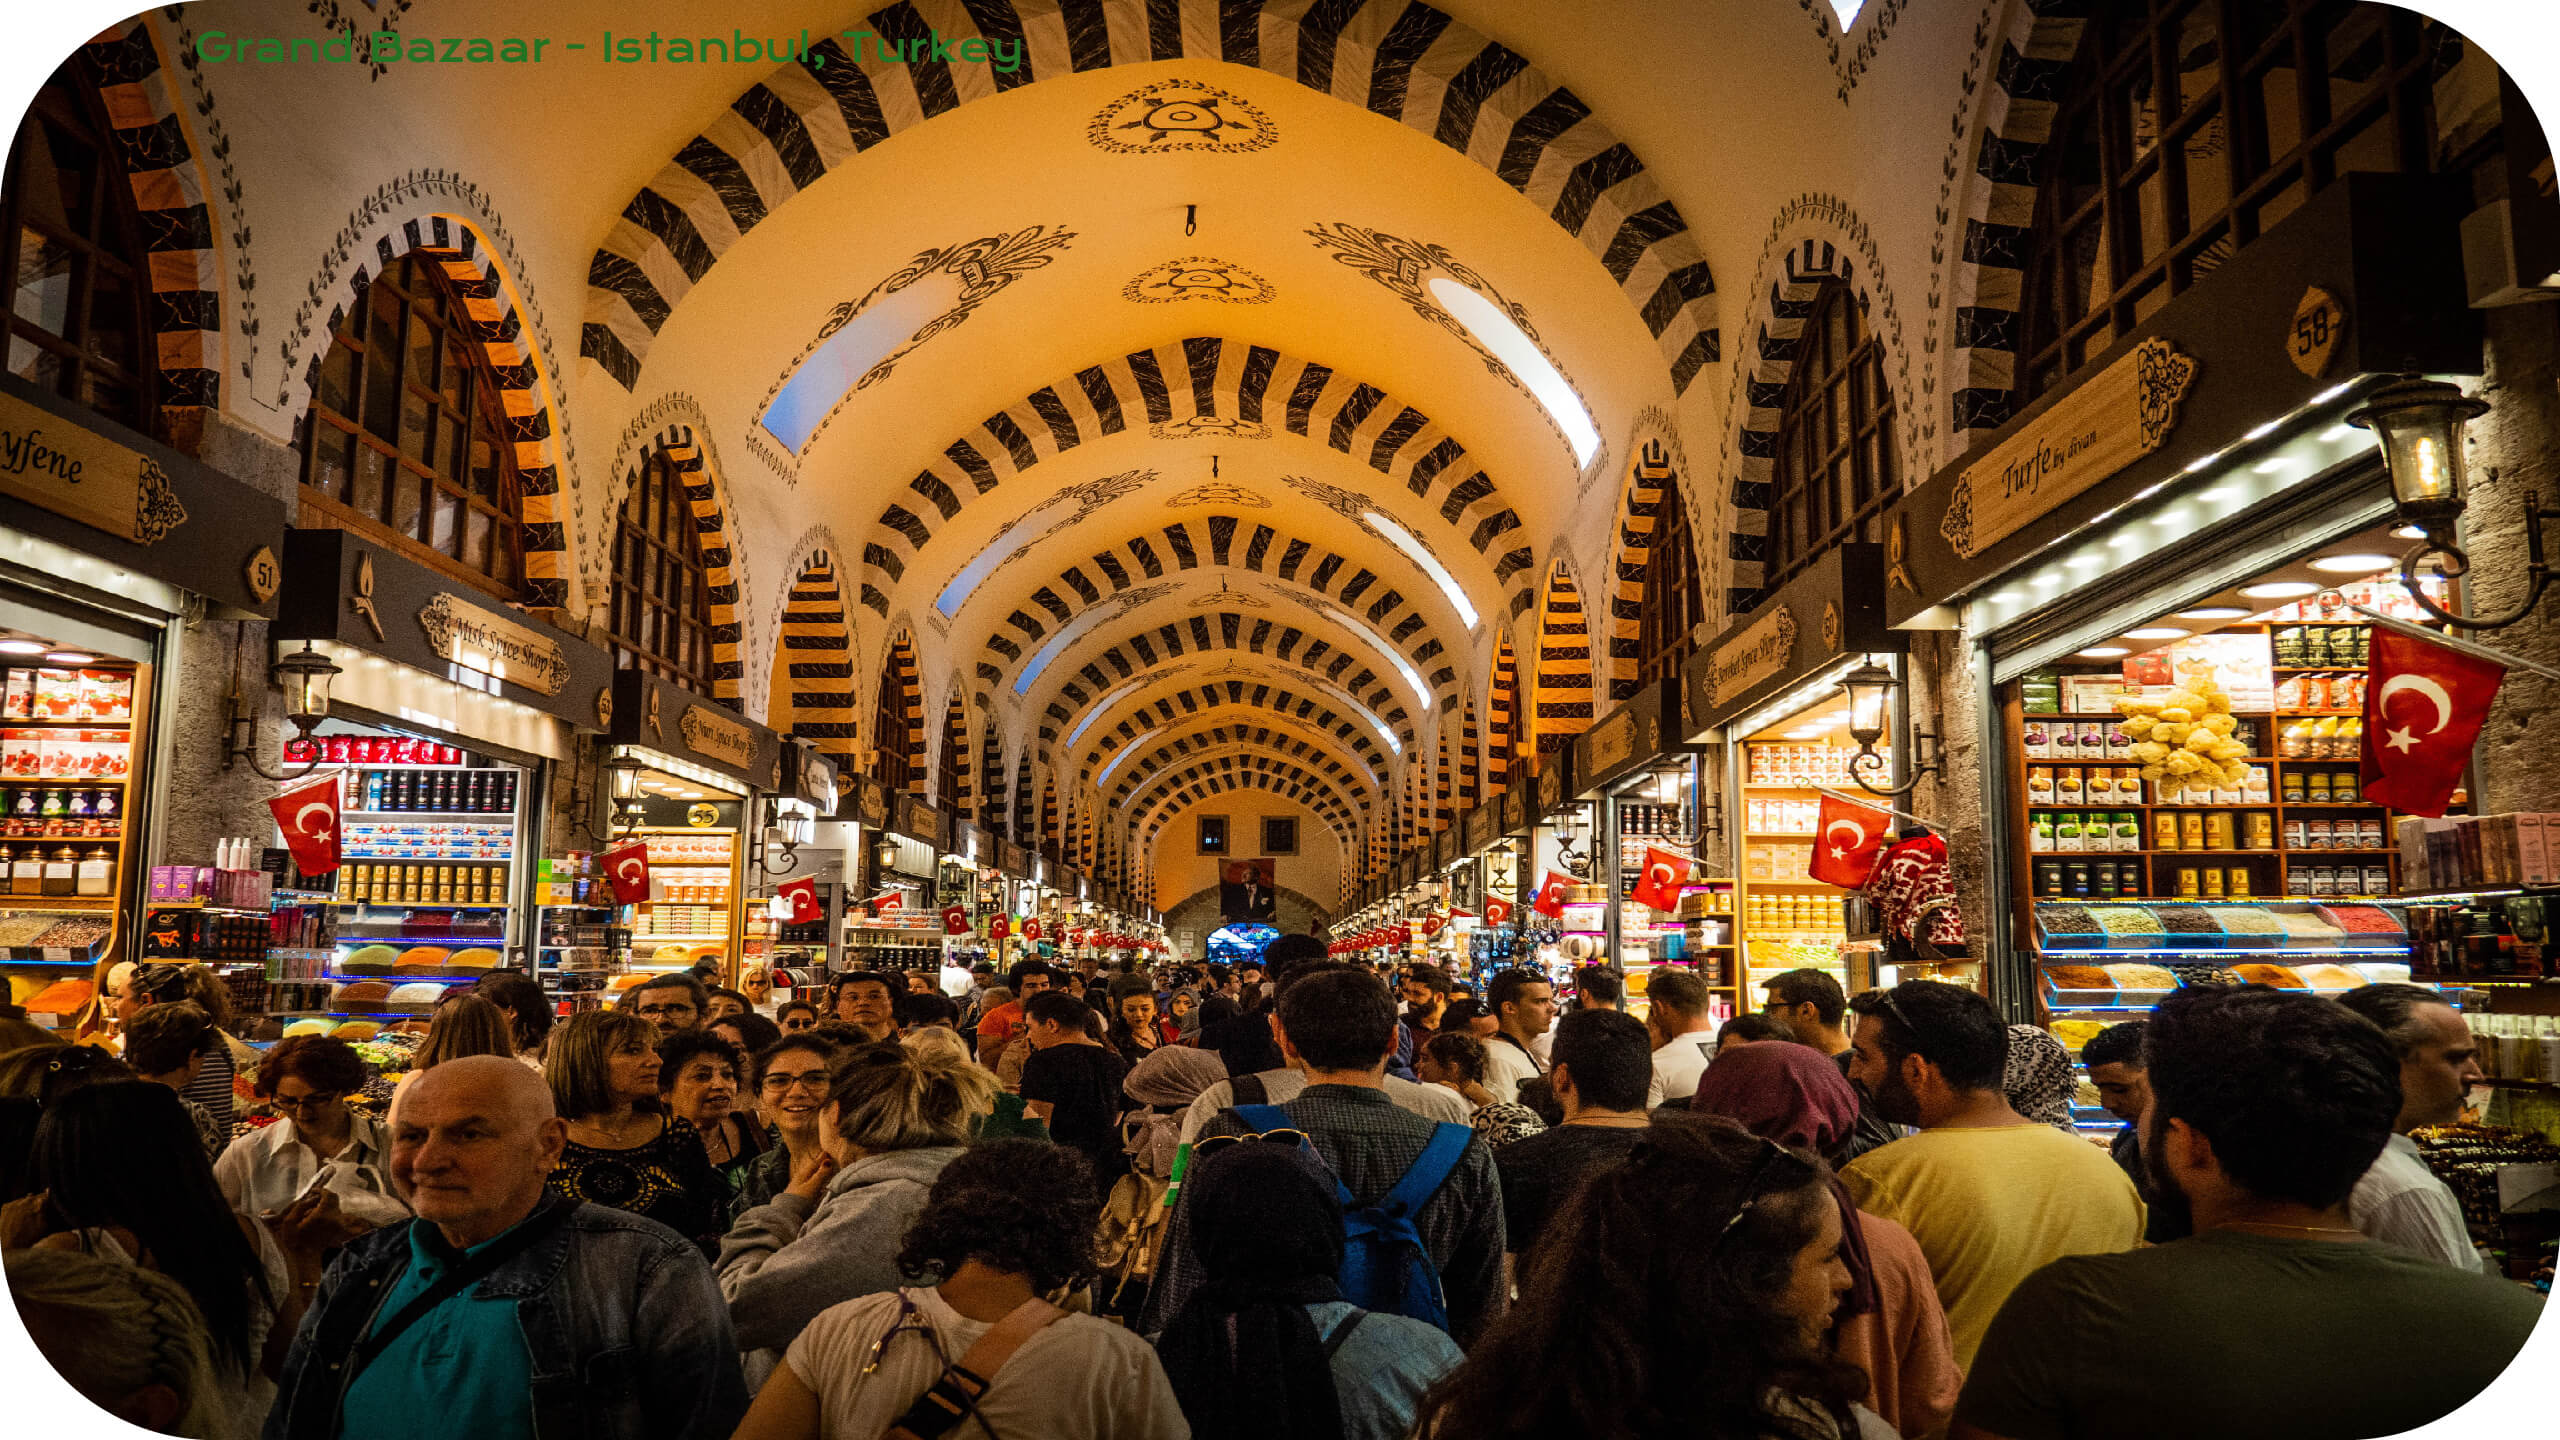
[[1448, 1145], [1264, 1117]]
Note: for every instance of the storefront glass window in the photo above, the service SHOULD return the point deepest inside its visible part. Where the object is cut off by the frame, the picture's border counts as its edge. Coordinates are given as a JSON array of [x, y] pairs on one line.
[[77, 323], [661, 608], [406, 440]]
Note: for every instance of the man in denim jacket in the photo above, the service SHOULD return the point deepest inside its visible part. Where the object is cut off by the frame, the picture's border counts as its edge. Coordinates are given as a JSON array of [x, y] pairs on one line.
[[584, 1322]]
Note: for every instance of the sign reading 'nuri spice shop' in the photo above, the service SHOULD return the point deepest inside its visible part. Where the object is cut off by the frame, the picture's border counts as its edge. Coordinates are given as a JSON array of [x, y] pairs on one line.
[[2115, 418]]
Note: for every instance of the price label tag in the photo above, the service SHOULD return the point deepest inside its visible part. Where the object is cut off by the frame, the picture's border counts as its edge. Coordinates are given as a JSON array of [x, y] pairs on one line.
[[57, 954]]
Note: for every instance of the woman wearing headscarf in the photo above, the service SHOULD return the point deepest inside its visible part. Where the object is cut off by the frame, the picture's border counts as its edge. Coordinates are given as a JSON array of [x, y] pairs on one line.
[[2037, 1077], [1266, 1348], [1162, 1086], [1890, 1324]]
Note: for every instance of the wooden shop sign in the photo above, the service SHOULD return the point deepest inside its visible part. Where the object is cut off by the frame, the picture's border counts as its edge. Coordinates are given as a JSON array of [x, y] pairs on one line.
[[494, 645], [81, 475], [1761, 652], [708, 733], [2120, 415]]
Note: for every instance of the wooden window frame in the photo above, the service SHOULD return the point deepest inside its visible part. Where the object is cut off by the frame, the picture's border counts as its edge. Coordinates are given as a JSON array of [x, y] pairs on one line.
[[1675, 601], [659, 617], [892, 734], [113, 248], [1835, 468], [438, 432]]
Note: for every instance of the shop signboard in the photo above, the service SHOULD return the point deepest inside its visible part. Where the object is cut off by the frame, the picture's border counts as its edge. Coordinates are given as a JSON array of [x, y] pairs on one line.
[[1442, 848], [918, 821], [341, 588], [658, 714], [2364, 280], [1553, 789], [1832, 608], [970, 842], [1520, 802], [1016, 861], [1625, 740], [871, 802], [1481, 827], [74, 477], [809, 774]]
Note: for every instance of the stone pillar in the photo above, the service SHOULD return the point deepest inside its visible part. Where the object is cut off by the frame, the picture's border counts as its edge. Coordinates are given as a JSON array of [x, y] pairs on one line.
[[1943, 687], [2512, 452]]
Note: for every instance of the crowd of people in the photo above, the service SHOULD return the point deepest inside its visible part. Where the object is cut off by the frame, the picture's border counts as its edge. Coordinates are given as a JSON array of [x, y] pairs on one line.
[[1289, 1199]]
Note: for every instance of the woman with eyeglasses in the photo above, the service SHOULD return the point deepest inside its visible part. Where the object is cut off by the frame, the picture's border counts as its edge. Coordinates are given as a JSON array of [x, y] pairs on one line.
[[1682, 1292], [624, 1150], [307, 1079], [893, 1118], [1007, 1230], [792, 1077]]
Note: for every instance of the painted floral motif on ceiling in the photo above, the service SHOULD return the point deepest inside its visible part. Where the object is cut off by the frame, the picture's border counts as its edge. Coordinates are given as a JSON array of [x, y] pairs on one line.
[[1089, 496], [1209, 427], [1351, 505], [1198, 277], [1218, 493], [1173, 115], [1406, 267], [984, 267], [1224, 596]]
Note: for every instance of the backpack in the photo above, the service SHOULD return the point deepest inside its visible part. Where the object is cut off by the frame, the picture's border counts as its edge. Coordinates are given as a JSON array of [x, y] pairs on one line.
[[1385, 1267]]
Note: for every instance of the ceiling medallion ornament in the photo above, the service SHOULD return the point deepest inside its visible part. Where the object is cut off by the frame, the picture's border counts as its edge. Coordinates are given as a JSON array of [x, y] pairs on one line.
[[1220, 494], [1198, 277], [1209, 427], [1350, 505], [1175, 115]]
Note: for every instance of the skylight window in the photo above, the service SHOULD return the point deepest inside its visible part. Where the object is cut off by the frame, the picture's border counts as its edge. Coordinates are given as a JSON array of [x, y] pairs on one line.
[[1066, 634], [973, 574], [1421, 695], [1847, 10], [829, 373], [1498, 333], [1421, 555]]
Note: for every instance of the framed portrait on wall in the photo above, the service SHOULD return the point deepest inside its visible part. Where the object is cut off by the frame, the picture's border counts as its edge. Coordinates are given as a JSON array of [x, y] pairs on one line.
[[1249, 889]]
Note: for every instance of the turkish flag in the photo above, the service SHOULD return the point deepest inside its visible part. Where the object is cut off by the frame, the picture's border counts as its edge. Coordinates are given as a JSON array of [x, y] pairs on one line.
[[1431, 926], [626, 868], [955, 920], [1847, 839], [1664, 874], [1497, 912], [2423, 708], [803, 895], [1550, 901], [999, 927], [309, 819], [889, 902]]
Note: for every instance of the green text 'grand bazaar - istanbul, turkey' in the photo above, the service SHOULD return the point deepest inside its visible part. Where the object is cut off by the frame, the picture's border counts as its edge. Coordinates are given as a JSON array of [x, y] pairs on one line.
[[1280, 720]]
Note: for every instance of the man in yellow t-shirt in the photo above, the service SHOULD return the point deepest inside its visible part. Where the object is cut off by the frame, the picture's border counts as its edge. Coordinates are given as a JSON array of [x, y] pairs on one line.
[[1990, 1195]]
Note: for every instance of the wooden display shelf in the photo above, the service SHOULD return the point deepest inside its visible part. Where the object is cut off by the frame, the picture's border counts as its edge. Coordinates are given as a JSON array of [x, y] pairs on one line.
[[23, 723]]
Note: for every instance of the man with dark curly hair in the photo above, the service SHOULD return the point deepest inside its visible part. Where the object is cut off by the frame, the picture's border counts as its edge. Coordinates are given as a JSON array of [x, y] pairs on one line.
[[1008, 1225]]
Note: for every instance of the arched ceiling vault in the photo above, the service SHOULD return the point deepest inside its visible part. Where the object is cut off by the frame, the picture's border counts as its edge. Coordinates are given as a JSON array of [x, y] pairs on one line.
[[1249, 740], [1186, 710]]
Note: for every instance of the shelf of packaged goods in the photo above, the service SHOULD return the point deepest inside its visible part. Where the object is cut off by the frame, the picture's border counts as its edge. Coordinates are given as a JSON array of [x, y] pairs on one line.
[[412, 905], [2127, 762], [465, 941], [491, 816], [2056, 955], [1800, 884], [682, 935], [341, 979], [19, 721], [197, 905], [65, 782], [65, 839], [46, 904]]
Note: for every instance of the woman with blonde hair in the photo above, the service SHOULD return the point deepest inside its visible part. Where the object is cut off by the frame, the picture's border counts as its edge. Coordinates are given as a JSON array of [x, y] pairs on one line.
[[464, 1025], [624, 1150], [894, 1117], [129, 1340]]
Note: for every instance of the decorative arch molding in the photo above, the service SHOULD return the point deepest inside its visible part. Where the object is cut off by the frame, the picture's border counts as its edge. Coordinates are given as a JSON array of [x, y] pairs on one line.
[[1257, 742], [725, 572], [1288, 645], [1815, 238], [1201, 704], [1401, 59], [902, 676], [1650, 474], [817, 651], [174, 201], [1563, 705], [1505, 712], [1322, 795], [1214, 377], [440, 214], [1163, 809], [1222, 541]]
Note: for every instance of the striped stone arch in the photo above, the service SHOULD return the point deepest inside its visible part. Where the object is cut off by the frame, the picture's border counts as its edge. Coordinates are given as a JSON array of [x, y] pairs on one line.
[[900, 677], [1048, 810], [817, 662], [1444, 786], [1504, 722], [173, 199], [1242, 738], [1222, 630], [722, 570], [1229, 773], [1650, 476], [951, 742], [1202, 703], [1205, 376], [1401, 59], [1225, 541], [2036, 49], [992, 799], [1776, 342], [1470, 757], [1562, 706], [1023, 816]]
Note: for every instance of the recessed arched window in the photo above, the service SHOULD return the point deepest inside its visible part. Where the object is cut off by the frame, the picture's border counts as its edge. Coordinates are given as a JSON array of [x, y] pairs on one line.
[[660, 615], [955, 749], [406, 439], [1675, 603], [1835, 467], [2176, 141], [80, 290], [893, 736]]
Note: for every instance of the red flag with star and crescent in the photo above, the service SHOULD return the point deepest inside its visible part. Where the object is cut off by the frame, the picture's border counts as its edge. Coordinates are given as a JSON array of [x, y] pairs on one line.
[[1659, 886], [309, 819], [802, 896], [626, 868], [1497, 912], [2423, 708], [1550, 897], [1846, 841]]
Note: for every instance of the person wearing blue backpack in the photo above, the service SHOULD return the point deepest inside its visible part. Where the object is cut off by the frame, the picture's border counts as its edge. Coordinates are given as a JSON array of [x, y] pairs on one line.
[[1421, 1206]]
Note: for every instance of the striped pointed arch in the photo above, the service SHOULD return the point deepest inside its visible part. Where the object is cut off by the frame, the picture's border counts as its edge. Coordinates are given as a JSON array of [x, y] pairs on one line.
[[1563, 695], [1650, 477], [1774, 348], [1229, 773], [1401, 59], [1443, 786], [1505, 721], [1025, 816], [991, 787], [1048, 813], [1206, 632], [1222, 700], [813, 695], [721, 568], [1222, 541], [1204, 376], [1240, 738], [897, 721], [1470, 757], [951, 758], [148, 124]]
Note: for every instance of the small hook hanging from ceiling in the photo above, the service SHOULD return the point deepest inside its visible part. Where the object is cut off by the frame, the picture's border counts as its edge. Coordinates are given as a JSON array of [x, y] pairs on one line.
[[1190, 219], [1213, 467]]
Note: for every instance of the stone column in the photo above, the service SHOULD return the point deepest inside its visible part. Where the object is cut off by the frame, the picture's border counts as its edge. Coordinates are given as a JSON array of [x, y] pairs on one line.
[[2512, 452]]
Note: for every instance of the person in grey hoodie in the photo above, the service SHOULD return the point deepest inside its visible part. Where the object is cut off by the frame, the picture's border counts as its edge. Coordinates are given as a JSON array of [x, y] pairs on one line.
[[894, 1118]]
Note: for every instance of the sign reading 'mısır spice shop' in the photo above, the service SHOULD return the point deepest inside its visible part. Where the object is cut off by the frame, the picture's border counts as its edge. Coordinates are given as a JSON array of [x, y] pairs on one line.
[[2119, 415]]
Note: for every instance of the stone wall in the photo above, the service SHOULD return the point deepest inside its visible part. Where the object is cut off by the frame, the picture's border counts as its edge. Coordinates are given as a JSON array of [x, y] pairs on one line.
[[2512, 452]]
